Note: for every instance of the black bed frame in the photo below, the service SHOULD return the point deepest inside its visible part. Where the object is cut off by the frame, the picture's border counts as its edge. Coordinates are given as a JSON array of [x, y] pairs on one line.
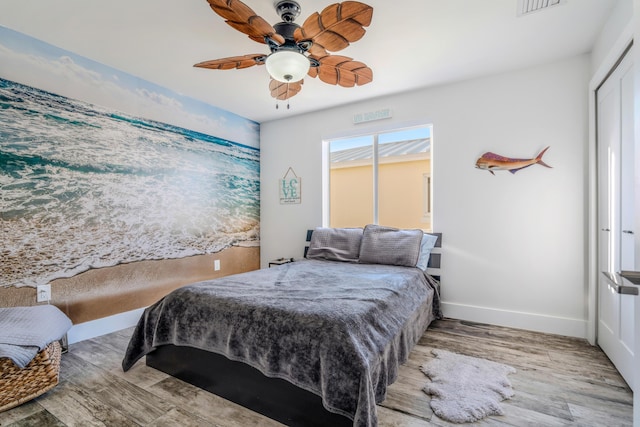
[[238, 382]]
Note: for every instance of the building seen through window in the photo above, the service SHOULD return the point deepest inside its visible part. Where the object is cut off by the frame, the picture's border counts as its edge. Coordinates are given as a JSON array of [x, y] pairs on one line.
[[382, 178]]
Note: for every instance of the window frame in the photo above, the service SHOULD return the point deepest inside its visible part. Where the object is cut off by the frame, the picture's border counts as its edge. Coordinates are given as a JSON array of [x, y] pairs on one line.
[[374, 134]]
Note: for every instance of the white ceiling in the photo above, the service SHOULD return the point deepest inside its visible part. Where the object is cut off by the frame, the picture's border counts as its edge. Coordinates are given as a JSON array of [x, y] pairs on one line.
[[410, 44]]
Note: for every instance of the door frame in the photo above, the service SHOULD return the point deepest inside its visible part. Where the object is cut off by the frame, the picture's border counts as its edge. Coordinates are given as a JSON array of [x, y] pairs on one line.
[[603, 71]]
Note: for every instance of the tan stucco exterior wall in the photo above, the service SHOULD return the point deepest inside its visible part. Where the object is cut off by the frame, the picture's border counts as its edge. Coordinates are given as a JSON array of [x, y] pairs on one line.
[[400, 192]]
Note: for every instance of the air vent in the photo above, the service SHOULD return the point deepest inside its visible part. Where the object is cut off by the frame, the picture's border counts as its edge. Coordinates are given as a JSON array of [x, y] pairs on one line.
[[526, 7]]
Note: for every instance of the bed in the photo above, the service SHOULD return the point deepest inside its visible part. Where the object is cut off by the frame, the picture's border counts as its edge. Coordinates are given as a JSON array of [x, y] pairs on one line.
[[312, 342]]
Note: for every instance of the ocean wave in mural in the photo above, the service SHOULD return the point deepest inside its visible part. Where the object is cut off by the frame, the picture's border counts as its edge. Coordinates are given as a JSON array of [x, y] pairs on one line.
[[85, 187]]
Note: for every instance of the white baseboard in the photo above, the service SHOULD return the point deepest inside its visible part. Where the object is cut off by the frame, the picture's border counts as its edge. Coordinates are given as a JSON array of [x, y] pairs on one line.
[[106, 325], [514, 319]]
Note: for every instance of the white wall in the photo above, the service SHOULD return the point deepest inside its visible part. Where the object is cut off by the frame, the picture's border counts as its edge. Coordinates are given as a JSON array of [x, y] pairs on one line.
[[514, 245], [620, 18]]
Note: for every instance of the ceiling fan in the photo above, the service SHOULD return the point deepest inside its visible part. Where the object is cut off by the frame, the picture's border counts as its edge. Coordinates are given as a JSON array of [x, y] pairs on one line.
[[299, 50]]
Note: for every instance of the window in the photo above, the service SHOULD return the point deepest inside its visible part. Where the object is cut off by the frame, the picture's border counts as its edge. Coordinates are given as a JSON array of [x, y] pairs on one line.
[[382, 178]]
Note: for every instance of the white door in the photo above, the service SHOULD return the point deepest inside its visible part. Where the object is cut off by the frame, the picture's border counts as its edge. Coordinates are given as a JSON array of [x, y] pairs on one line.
[[636, 396], [615, 139]]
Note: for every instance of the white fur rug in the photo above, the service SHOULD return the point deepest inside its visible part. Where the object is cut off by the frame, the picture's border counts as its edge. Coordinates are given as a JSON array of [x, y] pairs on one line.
[[465, 389]]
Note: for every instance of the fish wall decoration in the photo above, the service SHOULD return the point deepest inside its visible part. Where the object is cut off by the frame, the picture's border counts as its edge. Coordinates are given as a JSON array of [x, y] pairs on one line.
[[492, 162]]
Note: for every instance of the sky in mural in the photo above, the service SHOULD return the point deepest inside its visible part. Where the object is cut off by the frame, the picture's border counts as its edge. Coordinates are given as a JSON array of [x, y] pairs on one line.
[[30, 61]]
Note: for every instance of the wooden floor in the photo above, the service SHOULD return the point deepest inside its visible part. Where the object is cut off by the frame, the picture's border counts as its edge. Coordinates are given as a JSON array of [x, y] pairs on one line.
[[559, 381]]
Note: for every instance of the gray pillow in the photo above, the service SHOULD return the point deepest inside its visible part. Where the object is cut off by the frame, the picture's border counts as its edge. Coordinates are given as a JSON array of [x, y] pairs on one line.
[[388, 245], [335, 244]]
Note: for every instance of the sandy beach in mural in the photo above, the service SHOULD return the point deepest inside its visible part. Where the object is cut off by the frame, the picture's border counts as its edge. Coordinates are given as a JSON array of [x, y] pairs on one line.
[[102, 292]]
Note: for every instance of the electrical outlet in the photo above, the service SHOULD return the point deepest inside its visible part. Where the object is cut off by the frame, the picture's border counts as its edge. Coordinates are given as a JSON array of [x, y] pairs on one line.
[[216, 264], [43, 293]]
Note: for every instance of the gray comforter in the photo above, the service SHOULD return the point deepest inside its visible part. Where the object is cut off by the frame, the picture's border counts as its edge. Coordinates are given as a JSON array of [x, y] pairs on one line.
[[339, 330]]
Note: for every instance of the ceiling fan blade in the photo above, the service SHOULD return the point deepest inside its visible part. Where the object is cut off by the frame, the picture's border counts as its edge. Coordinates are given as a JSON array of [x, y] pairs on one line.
[[282, 91], [244, 61], [336, 26], [244, 19], [342, 70], [317, 51]]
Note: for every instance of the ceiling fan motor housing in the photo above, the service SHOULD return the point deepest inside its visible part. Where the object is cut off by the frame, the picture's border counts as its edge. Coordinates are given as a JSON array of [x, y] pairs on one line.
[[288, 10], [286, 29]]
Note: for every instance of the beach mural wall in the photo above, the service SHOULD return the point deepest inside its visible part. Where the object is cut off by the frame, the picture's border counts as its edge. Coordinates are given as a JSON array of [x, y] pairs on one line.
[[99, 168]]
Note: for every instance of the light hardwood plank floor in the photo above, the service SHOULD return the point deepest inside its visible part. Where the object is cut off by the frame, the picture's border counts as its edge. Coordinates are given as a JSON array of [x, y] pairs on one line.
[[560, 381]]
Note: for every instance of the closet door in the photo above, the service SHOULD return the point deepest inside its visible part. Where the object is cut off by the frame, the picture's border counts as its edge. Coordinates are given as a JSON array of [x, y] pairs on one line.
[[615, 139]]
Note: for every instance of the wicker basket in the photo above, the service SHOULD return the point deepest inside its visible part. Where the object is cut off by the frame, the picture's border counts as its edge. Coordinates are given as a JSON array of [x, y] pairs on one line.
[[18, 386]]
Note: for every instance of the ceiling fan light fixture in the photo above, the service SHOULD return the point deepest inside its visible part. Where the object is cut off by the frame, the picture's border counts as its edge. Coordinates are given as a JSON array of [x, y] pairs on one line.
[[287, 66]]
